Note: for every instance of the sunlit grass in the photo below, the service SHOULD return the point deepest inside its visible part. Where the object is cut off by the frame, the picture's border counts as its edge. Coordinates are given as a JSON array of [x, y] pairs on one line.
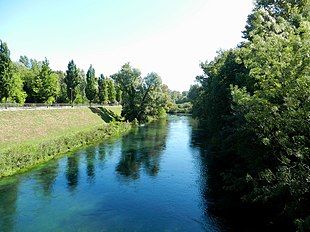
[[116, 109], [31, 137], [24, 156], [33, 126]]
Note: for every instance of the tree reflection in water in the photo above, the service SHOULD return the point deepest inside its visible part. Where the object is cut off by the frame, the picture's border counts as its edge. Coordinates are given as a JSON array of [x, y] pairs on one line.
[[8, 199], [46, 177], [230, 214], [72, 172], [198, 140], [141, 150], [90, 162]]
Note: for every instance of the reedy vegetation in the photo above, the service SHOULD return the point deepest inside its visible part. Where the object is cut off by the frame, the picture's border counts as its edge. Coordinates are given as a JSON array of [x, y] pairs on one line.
[[255, 100]]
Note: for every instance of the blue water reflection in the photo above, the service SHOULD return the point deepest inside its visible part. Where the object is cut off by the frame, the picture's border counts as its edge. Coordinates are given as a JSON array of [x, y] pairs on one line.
[[152, 179]]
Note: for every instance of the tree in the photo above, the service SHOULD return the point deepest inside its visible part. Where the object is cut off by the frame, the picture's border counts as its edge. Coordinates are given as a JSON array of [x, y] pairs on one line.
[[81, 95], [152, 103], [111, 91], [267, 13], [72, 81], [10, 83], [30, 76], [193, 92], [276, 114], [195, 96], [103, 90], [129, 81], [142, 97], [6, 75], [119, 94], [18, 94], [289, 9], [25, 61], [62, 95], [90, 84], [40, 82], [49, 84], [175, 95], [255, 100], [100, 93]]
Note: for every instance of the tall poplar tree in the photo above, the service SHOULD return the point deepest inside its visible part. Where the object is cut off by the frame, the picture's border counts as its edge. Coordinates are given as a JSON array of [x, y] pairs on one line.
[[102, 90], [72, 80], [118, 94], [111, 91], [90, 84]]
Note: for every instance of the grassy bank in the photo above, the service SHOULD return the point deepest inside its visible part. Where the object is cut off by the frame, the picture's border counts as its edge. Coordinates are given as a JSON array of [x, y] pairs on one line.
[[32, 137], [18, 127]]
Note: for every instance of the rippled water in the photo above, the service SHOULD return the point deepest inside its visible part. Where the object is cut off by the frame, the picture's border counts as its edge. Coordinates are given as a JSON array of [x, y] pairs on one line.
[[152, 179]]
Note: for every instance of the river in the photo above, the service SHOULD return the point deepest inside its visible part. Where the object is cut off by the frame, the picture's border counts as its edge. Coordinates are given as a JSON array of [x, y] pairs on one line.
[[152, 179]]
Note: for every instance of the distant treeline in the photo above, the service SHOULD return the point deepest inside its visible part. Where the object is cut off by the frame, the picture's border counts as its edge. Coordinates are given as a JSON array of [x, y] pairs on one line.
[[255, 103], [32, 81]]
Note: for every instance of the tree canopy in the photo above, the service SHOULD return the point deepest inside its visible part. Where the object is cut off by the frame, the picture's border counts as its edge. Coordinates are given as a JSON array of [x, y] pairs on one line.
[[10, 83], [141, 97], [72, 80], [90, 84], [255, 101], [34, 82]]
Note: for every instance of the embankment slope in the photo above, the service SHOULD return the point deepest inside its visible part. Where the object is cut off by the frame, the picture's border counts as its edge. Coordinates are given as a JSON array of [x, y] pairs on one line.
[[30, 137]]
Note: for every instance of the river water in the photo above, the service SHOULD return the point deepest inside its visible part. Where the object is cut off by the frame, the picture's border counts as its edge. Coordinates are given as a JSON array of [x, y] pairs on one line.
[[153, 179]]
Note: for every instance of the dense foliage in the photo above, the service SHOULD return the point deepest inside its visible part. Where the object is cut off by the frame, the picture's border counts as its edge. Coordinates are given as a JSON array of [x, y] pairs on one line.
[[255, 101], [10, 81], [72, 80], [33, 81], [90, 84], [143, 98]]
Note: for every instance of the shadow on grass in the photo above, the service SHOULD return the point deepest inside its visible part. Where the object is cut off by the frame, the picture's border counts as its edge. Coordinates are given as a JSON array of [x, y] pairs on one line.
[[106, 114]]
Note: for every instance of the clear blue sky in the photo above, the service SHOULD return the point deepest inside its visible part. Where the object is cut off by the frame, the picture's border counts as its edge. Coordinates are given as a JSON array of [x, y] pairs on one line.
[[170, 37]]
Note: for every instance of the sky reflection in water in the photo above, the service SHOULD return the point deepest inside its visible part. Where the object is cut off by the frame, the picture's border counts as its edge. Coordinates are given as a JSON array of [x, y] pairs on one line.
[[152, 179]]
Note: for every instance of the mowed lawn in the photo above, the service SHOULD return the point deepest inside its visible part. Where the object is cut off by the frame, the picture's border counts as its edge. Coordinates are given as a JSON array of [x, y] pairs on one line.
[[25, 126]]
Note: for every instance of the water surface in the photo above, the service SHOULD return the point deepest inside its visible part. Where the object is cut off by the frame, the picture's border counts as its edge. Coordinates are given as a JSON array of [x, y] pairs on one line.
[[152, 179]]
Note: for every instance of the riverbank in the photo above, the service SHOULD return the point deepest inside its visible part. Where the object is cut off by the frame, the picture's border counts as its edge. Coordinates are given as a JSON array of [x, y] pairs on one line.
[[153, 172], [30, 138]]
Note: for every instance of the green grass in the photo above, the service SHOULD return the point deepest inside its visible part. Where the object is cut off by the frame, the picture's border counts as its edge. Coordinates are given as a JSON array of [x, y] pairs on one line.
[[29, 138], [33, 126], [115, 109]]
